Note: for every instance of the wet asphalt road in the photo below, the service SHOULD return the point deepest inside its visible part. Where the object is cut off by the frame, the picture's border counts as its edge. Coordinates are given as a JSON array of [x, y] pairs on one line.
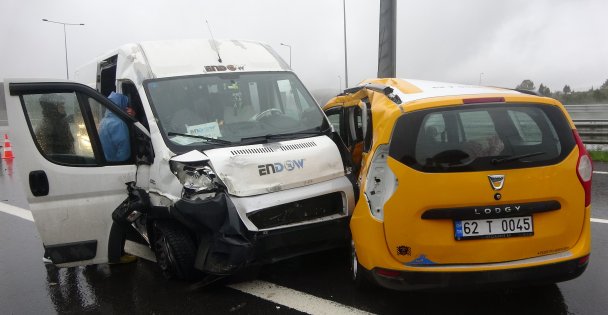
[[27, 286]]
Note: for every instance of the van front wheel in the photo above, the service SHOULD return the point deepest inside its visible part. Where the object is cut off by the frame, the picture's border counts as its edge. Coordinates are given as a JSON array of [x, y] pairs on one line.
[[175, 250]]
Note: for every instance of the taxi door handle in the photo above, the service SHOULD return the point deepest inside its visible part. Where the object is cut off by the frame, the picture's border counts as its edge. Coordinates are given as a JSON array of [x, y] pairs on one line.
[[39, 183]]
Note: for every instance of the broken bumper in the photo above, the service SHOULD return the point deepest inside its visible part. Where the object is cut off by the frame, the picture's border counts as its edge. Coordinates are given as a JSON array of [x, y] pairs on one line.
[[237, 232]]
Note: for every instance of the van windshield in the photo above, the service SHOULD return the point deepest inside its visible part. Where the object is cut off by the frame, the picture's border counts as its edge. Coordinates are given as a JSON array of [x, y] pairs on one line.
[[481, 137], [233, 108]]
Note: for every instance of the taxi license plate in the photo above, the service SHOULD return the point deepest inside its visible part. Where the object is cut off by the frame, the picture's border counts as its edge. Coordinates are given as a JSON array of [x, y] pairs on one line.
[[493, 228]]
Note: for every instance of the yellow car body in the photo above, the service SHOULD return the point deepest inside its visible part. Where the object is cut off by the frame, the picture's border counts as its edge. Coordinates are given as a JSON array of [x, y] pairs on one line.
[[424, 190]]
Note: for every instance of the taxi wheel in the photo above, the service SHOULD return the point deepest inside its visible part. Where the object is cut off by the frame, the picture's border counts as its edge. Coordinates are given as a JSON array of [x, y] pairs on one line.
[[358, 271], [175, 250]]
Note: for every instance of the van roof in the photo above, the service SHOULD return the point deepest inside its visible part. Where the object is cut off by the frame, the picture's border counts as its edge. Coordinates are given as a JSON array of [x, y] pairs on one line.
[[185, 57], [168, 58]]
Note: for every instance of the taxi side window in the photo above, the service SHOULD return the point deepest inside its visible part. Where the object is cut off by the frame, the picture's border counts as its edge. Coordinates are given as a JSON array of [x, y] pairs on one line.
[[356, 124], [367, 125], [335, 118], [58, 129]]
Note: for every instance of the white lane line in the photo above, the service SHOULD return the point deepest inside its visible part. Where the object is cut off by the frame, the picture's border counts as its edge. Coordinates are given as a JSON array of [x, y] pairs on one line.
[[600, 172], [297, 300], [16, 211], [599, 220]]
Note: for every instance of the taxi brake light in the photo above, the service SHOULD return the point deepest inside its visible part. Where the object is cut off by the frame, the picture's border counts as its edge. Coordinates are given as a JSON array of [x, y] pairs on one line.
[[483, 100], [584, 167]]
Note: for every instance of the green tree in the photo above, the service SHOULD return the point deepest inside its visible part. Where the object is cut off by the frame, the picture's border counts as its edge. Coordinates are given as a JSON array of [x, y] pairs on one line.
[[567, 89], [604, 86], [526, 85], [544, 90]]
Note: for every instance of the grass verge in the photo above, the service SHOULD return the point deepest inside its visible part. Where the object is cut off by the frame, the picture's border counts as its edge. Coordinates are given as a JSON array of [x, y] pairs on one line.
[[599, 156]]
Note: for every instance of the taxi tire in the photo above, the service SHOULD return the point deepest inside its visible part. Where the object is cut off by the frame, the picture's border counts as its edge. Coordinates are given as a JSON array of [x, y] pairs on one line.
[[358, 274], [175, 250]]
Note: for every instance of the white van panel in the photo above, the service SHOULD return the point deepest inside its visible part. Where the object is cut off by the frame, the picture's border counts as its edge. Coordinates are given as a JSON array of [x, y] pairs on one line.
[[266, 168]]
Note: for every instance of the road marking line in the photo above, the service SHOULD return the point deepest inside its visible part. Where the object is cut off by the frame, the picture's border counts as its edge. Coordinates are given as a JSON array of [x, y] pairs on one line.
[[16, 211], [297, 300], [599, 220], [600, 172]]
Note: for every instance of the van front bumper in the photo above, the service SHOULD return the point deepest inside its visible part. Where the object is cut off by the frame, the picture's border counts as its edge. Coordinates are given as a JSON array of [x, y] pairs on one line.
[[228, 240], [422, 280]]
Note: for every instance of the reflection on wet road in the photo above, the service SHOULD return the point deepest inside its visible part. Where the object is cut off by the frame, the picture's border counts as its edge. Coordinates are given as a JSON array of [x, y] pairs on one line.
[[28, 286]]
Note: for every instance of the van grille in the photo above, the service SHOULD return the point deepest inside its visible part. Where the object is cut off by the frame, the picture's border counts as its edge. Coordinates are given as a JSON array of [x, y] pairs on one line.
[[252, 151], [298, 211], [298, 146], [288, 147]]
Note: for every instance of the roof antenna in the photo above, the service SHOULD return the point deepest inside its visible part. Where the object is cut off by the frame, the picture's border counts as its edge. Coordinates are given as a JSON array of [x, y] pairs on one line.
[[219, 59]]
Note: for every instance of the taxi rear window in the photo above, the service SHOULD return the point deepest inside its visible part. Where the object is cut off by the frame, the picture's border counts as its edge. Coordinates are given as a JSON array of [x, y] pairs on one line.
[[481, 137]]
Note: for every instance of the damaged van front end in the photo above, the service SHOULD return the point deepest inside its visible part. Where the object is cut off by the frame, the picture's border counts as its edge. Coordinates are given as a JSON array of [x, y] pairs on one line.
[[262, 203]]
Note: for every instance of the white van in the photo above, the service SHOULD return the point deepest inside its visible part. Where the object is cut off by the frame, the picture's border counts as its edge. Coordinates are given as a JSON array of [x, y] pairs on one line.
[[232, 163]]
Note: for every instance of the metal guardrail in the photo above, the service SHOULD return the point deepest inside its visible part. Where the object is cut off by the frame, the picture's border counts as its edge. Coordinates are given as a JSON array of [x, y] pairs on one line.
[[591, 122], [593, 131]]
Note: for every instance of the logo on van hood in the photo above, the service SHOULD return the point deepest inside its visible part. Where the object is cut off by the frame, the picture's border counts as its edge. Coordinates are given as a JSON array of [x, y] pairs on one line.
[[289, 165], [496, 181]]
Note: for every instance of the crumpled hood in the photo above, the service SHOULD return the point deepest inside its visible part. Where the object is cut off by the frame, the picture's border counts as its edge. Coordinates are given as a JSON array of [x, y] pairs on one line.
[[263, 168]]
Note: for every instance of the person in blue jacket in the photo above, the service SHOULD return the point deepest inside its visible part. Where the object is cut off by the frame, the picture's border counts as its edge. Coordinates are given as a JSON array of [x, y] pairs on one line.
[[114, 132]]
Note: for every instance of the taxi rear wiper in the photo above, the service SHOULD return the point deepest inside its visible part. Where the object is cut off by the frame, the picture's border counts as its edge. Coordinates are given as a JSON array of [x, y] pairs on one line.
[[515, 157], [209, 139]]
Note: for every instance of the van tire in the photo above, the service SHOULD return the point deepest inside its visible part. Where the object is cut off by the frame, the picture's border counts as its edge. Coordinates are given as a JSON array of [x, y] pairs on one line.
[[175, 250]]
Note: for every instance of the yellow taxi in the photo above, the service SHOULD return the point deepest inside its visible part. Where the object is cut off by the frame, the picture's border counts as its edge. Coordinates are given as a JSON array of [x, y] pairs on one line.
[[463, 185]]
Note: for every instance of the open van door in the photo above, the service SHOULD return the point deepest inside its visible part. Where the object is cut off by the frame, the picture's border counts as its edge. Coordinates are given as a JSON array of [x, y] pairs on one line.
[[70, 187]]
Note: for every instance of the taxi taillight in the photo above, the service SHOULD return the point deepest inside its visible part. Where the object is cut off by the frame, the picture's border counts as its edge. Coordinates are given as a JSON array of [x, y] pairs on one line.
[[584, 167]]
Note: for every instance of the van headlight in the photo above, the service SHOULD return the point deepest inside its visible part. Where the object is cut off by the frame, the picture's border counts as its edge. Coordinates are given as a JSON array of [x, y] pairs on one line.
[[194, 178], [380, 183]]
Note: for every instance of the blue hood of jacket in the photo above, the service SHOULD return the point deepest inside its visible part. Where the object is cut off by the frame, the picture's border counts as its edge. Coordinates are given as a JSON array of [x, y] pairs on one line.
[[120, 100]]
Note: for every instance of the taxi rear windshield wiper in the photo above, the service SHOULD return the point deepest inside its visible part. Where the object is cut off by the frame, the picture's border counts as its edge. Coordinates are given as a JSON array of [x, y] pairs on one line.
[[515, 157], [209, 139]]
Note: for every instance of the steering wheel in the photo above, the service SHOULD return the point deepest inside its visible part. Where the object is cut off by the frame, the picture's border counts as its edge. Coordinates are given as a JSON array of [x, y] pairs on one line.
[[267, 112]]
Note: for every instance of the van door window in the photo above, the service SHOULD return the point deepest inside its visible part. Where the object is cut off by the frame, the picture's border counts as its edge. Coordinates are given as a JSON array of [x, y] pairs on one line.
[[129, 89], [58, 128], [114, 134]]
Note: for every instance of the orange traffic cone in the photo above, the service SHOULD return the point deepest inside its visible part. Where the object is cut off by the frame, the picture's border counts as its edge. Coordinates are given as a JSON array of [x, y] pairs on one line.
[[8, 151]]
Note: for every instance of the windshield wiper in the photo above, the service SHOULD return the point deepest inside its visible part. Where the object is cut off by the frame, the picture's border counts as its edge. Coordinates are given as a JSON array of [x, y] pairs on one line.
[[209, 139], [515, 157], [285, 135]]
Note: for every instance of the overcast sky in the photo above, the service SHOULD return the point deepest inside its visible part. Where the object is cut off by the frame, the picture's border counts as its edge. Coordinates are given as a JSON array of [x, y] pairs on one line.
[[554, 42]]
